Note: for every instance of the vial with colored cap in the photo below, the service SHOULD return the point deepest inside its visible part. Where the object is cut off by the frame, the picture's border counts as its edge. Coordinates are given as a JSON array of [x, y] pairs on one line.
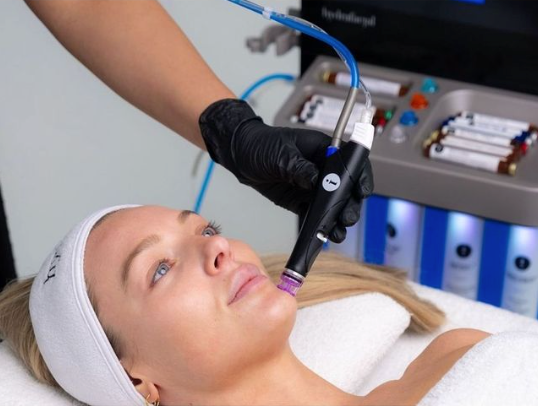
[[429, 85], [408, 118], [419, 101]]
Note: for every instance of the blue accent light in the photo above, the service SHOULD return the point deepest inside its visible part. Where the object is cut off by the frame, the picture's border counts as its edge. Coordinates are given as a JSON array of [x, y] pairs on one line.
[[493, 262], [433, 247], [375, 229], [331, 150], [472, 1]]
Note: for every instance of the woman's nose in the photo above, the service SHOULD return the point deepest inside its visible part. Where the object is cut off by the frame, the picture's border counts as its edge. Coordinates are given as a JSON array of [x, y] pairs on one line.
[[218, 255]]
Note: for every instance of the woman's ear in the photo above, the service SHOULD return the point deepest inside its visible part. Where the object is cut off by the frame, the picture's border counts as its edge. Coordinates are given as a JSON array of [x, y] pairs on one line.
[[144, 386]]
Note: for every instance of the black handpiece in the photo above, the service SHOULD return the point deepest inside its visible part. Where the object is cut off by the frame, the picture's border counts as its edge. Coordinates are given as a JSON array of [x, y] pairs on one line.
[[340, 174]]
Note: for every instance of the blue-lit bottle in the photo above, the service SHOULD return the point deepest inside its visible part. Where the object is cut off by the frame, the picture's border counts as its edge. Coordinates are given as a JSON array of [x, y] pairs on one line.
[[462, 254], [404, 231], [520, 291]]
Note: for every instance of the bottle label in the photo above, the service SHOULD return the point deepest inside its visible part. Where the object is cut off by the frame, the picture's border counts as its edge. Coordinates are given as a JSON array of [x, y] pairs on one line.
[[462, 254], [520, 292], [403, 235], [373, 85], [468, 158], [474, 136], [323, 112], [496, 121], [501, 131], [453, 141]]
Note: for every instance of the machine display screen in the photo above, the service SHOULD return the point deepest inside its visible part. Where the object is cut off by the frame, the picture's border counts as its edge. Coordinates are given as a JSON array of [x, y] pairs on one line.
[[489, 42]]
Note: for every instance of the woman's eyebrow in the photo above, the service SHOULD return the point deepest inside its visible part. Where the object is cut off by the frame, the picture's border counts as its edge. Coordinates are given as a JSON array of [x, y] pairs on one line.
[[143, 245], [184, 215]]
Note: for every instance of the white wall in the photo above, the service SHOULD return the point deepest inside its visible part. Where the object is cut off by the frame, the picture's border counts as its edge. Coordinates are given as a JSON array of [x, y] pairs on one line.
[[69, 145]]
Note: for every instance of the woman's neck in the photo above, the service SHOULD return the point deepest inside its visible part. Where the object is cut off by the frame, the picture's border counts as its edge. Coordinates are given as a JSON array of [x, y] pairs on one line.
[[281, 380]]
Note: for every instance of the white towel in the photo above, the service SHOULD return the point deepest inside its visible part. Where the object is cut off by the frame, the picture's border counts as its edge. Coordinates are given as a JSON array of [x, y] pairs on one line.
[[343, 340], [321, 334], [501, 370], [460, 313], [19, 388]]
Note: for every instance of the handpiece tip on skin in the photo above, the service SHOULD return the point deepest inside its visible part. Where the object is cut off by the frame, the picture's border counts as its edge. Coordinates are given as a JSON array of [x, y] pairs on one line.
[[289, 285]]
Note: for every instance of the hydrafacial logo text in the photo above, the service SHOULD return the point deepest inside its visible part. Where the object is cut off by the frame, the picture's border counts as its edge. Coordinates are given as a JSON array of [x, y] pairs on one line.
[[52, 268], [348, 17]]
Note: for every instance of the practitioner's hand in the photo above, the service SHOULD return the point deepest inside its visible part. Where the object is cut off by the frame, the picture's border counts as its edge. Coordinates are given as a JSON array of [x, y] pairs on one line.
[[282, 164]]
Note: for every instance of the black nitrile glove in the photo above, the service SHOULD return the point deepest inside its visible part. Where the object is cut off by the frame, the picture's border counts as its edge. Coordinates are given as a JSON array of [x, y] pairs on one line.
[[282, 164]]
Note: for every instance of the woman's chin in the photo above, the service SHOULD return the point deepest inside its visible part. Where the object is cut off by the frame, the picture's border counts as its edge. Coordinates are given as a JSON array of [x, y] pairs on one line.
[[269, 308]]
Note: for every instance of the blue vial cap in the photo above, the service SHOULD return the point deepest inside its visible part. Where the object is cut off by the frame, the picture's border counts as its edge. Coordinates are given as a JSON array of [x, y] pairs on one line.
[[408, 118], [429, 85]]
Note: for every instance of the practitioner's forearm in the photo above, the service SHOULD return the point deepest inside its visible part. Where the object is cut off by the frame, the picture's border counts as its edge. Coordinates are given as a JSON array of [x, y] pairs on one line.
[[137, 49]]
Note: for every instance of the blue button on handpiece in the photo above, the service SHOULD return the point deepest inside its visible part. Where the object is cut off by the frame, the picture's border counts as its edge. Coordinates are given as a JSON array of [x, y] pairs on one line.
[[408, 118]]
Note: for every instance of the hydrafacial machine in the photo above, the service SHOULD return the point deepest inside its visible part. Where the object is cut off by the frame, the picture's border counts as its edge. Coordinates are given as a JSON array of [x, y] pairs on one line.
[[455, 110]]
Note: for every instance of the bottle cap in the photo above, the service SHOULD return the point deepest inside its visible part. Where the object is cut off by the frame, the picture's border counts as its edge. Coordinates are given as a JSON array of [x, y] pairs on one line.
[[419, 101], [408, 118], [397, 134], [429, 85]]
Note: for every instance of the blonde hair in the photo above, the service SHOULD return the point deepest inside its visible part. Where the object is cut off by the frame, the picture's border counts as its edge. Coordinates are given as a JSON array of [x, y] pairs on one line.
[[332, 277], [16, 328]]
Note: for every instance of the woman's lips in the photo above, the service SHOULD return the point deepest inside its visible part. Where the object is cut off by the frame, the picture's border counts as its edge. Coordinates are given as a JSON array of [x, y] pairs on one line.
[[245, 280], [247, 287]]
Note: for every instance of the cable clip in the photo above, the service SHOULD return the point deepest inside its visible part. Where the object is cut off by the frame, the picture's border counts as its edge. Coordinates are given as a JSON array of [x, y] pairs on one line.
[[267, 12]]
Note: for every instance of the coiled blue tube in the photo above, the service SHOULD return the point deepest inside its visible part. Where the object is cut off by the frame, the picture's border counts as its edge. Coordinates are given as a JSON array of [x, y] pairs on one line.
[[311, 30], [246, 94]]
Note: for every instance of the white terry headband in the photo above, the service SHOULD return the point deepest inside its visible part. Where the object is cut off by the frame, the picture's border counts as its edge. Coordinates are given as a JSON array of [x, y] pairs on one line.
[[68, 332]]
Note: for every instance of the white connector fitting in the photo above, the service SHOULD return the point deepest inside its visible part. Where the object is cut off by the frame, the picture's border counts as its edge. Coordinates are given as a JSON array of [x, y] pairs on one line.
[[363, 133], [267, 12], [367, 116]]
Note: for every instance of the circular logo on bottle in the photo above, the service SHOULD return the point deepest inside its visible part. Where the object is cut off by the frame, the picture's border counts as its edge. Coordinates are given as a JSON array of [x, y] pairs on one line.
[[331, 182], [463, 250], [391, 231], [438, 148], [522, 263]]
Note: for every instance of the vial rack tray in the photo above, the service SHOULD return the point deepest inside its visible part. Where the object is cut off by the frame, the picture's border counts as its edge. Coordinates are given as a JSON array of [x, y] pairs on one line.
[[400, 168]]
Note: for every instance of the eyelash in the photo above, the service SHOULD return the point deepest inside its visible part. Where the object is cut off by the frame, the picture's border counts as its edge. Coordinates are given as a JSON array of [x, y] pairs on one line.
[[212, 226]]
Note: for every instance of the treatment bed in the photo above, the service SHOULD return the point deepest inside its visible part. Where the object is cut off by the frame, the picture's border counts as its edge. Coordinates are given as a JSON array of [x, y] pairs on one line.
[[358, 343]]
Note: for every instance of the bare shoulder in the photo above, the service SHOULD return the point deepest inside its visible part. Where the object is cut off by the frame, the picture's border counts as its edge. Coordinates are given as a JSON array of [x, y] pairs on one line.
[[458, 338], [441, 354], [428, 368]]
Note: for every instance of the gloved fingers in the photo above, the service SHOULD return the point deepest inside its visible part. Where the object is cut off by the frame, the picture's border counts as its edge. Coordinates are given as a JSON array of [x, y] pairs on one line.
[[338, 234], [286, 196], [303, 173], [366, 181], [312, 144], [351, 212]]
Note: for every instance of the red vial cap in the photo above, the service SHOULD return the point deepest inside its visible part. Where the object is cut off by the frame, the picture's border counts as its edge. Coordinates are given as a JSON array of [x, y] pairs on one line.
[[419, 101]]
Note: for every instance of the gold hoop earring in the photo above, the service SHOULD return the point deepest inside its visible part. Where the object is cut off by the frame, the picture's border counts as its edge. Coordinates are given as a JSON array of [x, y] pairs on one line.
[[156, 403]]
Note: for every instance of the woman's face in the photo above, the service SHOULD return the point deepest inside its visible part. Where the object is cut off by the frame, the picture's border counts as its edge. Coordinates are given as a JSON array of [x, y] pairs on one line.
[[192, 308]]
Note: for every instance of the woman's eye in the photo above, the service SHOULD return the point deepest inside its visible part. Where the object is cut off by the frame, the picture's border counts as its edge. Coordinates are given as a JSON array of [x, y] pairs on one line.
[[161, 270], [211, 230]]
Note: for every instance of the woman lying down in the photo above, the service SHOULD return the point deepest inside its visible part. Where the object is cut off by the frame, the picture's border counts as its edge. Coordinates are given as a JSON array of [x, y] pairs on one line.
[[148, 305]]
